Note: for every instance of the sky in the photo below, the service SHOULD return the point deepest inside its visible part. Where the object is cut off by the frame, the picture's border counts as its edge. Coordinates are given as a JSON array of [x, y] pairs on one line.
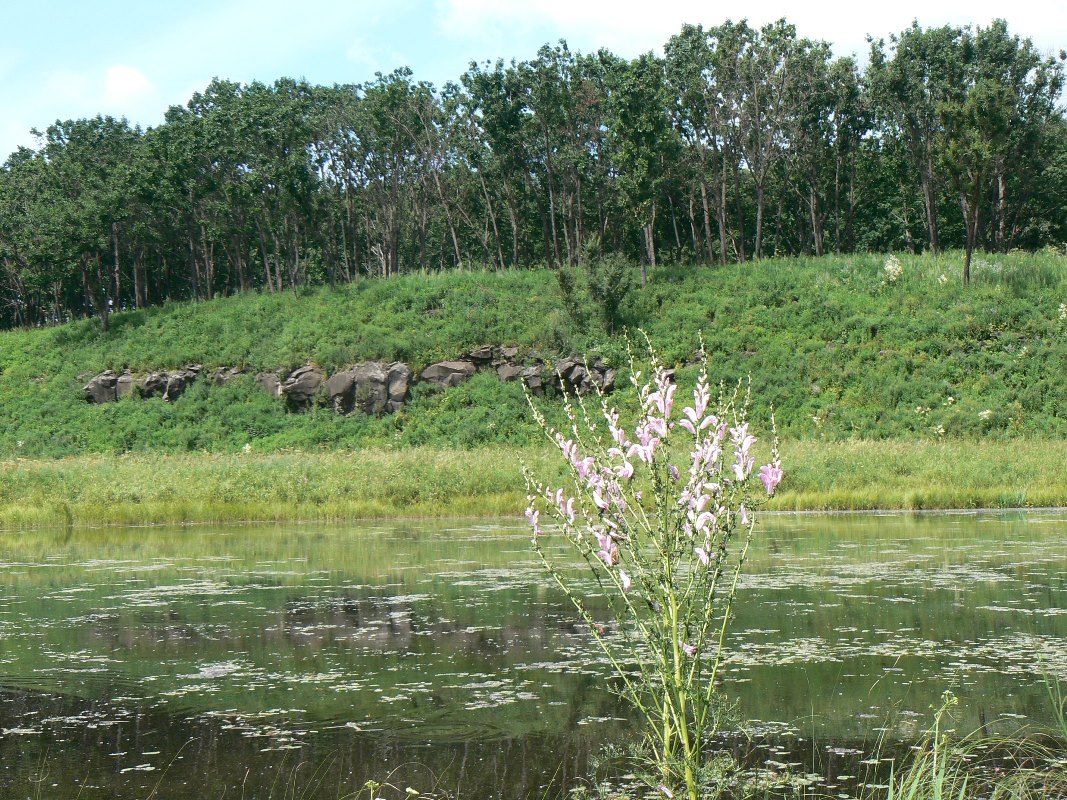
[[66, 59]]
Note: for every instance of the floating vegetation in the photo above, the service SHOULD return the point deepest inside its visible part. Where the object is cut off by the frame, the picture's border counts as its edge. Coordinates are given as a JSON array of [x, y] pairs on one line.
[[380, 646]]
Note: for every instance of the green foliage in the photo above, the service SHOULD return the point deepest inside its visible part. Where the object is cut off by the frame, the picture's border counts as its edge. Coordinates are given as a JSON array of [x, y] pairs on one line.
[[840, 352], [738, 144], [597, 290]]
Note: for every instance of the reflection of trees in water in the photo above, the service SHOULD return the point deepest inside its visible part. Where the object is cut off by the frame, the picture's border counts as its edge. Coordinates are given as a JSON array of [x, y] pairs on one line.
[[390, 624], [85, 746]]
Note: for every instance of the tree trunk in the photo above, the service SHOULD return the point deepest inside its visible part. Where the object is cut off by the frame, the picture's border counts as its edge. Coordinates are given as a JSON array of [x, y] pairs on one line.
[[707, 219], [757, 252], [118, 269], [930, 202]]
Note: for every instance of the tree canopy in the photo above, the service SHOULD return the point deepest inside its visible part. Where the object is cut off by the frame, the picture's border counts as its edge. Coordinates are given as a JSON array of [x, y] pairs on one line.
[[736, 145]]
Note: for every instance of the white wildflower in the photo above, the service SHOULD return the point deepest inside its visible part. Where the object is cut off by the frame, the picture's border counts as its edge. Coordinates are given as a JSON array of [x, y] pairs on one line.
[[1063, 311], [892, 269], [942, 278], [985, 415]]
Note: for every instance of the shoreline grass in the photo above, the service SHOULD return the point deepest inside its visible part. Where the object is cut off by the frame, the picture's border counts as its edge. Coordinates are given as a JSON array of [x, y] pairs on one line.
[[338, 486]]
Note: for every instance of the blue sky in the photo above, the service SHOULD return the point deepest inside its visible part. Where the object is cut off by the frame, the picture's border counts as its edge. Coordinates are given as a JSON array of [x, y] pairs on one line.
[[134, 58]]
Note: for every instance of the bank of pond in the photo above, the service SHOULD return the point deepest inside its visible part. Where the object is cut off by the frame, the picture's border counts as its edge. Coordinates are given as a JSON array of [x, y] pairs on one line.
[[288, 661], [435, 483]]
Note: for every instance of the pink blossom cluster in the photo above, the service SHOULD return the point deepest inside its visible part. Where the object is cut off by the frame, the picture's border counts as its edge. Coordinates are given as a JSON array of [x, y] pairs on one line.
[[602, 481]]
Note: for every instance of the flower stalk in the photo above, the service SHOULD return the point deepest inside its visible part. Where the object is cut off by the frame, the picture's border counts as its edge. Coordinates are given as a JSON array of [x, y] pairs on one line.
[[666, 543]]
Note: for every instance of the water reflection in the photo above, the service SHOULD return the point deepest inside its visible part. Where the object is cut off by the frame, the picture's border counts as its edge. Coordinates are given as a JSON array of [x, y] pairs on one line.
[[238, 661]]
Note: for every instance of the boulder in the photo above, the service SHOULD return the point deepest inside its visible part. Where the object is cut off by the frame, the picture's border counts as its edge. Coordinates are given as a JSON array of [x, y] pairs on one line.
[[509, 372], [123, 385], [270, 382], [398, 384], [448, 373], [509, 353], [370, 387], [482, 356], [180, 380], [575, 377], [223, 375], [300, 388], [102, 388], [531, 376], [154, 384], [360, 387]]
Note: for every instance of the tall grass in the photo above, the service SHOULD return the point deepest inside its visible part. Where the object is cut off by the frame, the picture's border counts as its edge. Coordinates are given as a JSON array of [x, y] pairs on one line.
[[976, 767], [142, 489]]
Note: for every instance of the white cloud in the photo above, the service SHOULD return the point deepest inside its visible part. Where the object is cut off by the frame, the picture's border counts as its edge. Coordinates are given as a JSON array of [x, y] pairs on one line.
[[123, 84], [633, 26]]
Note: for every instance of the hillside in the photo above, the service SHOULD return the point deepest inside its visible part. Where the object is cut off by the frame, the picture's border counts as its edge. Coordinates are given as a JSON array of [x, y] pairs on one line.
[[839, 347]]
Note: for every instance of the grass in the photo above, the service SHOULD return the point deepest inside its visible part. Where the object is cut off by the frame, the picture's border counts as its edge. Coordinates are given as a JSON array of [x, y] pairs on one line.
[[838, 350], [143, 489]]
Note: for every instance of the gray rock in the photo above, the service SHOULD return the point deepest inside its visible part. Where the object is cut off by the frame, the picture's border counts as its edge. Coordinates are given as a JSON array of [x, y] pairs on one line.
[[369, 387], [102, 388], [509, 372], [448, 373], [223, 375], [123, 385], [397, 384], [509, 352], [573, 376], [154, 384], [180, 380], [482, 356], [270, 382], [361, 387], [301, 387], [531, 376]]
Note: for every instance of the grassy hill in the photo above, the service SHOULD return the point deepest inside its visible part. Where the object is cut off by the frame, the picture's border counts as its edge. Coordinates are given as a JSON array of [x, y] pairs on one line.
[[837, 346]]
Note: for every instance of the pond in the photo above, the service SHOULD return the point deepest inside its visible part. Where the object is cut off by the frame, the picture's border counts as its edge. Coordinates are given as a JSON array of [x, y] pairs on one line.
[[301, 661]]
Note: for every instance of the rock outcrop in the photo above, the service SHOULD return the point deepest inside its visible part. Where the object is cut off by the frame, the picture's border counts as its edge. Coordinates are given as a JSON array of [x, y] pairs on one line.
[[270, 382], [301, 387], [108, 386], [370, 387], [576, 377], [448, 373], [169, 385], [101, 389], [223, 375]]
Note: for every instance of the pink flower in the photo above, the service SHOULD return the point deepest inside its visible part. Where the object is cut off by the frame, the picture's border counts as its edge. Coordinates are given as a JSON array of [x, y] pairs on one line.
[[624, 580], [702, 554], [743, 466], [673, 472], [742, 439], [666, 792], [585, 467], [533, 515], [690, 650], [625, 470], [771, 475]]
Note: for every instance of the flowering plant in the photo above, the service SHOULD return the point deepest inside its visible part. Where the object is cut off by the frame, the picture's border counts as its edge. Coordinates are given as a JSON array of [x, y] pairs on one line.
[[667, 542]]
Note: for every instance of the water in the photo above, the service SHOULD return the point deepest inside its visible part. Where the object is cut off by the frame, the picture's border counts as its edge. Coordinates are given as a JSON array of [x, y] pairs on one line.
[[301, 661]]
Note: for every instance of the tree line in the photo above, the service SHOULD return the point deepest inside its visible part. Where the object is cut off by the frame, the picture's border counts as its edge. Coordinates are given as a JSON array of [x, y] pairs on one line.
[[737, 144]]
